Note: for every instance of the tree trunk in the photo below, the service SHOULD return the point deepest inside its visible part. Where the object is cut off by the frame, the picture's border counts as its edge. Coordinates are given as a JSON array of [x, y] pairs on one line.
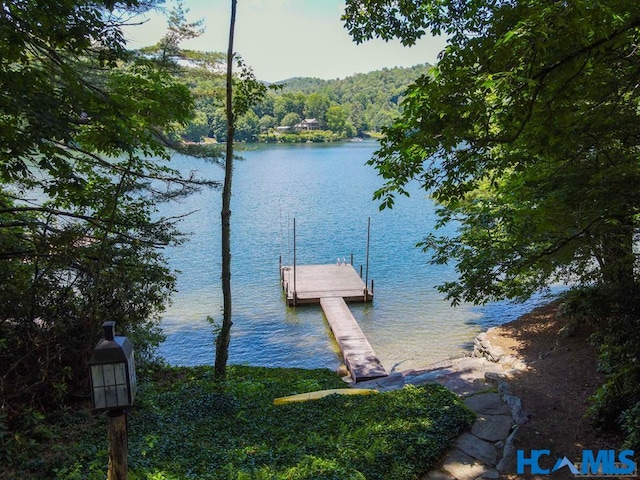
[[224, 336]]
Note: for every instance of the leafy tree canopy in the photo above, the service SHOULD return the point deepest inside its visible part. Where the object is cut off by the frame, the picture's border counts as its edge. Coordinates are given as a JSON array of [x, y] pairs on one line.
[[369, 100], [85, 127], [526, 133]]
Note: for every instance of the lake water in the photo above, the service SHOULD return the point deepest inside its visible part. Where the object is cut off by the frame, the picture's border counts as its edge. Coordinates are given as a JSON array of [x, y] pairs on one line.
[[328, 190]]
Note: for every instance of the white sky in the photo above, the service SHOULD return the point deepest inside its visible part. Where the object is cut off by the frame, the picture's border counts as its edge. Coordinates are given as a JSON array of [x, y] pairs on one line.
[[281, 39]]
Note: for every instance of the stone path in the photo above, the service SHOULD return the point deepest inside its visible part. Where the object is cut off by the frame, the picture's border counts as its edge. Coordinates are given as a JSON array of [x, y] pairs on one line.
[[482, 380]]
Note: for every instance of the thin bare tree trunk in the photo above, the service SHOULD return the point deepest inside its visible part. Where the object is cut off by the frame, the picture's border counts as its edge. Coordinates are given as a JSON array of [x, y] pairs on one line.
[[224, 336]]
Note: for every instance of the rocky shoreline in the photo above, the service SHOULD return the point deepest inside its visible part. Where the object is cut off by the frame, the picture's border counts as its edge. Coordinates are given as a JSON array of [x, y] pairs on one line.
[[481, 379]]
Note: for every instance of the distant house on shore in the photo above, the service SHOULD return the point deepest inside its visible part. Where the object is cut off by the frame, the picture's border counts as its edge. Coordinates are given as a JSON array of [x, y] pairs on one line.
[[308, 124]]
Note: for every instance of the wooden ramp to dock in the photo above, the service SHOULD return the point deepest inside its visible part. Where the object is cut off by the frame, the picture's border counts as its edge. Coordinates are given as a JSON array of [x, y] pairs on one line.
[[332, 286], [359, 357]]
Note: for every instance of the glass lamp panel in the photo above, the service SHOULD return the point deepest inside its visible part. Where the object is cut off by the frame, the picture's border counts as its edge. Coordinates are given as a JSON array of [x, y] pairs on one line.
[[109, 374], [96, 375], [132, 377], [111, 396], [120, 374], [123, 395], [99, 399]]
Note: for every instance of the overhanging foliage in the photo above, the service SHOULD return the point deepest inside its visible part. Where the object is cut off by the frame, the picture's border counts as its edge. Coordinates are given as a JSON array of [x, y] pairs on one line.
[[527, 133], [85, 128]]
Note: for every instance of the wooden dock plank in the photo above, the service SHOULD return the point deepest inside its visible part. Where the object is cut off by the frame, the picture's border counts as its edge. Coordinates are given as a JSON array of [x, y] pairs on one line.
[[358, 355]]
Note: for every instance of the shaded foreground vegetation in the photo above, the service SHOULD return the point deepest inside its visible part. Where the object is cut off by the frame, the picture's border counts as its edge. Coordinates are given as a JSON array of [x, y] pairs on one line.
[[186, 425]]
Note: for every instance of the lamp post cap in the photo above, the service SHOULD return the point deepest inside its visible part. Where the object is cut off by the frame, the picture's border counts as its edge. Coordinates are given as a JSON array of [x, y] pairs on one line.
[[109, 328]]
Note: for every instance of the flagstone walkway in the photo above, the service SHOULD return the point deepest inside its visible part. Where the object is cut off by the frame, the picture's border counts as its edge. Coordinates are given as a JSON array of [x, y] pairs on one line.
[[482, 381]]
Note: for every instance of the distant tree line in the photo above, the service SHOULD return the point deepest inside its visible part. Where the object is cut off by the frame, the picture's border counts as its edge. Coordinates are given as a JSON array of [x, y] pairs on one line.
[[354, 106]]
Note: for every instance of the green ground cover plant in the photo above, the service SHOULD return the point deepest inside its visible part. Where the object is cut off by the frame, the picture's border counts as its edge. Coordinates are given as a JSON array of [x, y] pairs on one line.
[[185, 425]]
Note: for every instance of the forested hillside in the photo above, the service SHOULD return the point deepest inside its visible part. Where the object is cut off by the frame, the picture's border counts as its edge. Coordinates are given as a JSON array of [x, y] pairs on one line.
[[341, 108]]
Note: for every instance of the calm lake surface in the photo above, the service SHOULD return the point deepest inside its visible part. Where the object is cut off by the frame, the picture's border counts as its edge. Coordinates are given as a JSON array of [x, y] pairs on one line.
[[328, 190]]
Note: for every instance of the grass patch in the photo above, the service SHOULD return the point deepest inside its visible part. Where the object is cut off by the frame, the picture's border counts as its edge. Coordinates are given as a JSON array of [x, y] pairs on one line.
[[186, 426]]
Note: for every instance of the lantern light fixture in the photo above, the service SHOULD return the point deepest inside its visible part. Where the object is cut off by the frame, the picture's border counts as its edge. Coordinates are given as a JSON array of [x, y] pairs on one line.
[[113, 371]]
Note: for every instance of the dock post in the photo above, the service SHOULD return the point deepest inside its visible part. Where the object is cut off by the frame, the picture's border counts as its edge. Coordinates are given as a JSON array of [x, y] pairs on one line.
[[366, 280], [352, 259], [294, 263]]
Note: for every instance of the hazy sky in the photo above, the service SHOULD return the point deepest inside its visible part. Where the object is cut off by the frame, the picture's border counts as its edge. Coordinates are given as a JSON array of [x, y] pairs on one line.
[[281, 39]]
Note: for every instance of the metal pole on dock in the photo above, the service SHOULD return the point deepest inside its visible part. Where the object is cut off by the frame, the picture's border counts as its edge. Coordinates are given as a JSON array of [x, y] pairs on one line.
[[366, 281], [294, 262]]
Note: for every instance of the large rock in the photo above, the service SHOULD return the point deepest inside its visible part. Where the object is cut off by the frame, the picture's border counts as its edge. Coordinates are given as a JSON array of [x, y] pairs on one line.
[[520, 417], [437, 475], [483, 348]]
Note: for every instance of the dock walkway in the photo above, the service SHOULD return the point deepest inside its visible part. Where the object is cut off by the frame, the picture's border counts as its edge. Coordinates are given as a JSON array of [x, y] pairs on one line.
[[332, 286], [357, 353]]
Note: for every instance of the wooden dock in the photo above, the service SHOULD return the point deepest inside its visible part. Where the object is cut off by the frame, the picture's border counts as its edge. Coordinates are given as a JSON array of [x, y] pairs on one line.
[[332, 286], [307, 284]]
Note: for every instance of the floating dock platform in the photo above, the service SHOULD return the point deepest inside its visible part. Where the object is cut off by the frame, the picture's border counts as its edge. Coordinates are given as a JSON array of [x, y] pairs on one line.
[[307, 284], [332, 286]]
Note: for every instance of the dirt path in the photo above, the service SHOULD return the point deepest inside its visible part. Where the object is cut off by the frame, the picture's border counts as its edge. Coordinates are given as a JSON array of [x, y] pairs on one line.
[[555, 389]]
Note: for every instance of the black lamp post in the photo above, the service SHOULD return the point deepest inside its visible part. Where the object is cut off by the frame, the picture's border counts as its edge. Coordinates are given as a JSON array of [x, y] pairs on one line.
[[113, 388]]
